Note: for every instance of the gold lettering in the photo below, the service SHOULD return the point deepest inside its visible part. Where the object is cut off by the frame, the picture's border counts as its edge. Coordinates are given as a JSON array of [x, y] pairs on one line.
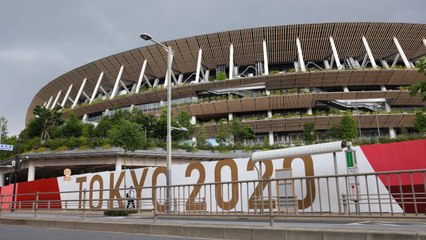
[[114, 192], [139, 184], [232, 202], [80, 181], [191, 204], [96, 178], [310, 183], [160, 207], [256, 198]]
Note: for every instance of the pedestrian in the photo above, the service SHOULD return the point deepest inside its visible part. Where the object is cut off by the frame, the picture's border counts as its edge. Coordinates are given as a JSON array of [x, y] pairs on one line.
[[131, 198]]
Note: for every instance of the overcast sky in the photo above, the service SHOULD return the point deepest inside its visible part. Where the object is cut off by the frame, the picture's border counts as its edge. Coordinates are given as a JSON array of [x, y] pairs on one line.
[[43, 39]]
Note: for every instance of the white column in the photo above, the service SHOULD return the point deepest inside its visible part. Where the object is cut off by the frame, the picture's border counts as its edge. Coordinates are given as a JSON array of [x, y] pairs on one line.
[[231, 61], [118, 164], [392, 133], [206, 75], [141, 76], [230, 116], [31, 171], [117, 81], [309, 112], [424, 41], [384, 64], [327, 64], [370, 55], [300, 55], [271, 138], [56, 99], [401, 53], [48, 103], [383, 88], [336, 56], [1, 179], [387, 107], [197, 73], [269, 114], [66, 96], [98, 83], [193, 120], [395, 61], [79, 93], [265, 58], [345, 89], [180, 78]]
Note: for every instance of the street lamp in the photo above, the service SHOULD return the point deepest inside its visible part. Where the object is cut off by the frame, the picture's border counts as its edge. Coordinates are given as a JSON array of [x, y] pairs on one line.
[[170, 52]]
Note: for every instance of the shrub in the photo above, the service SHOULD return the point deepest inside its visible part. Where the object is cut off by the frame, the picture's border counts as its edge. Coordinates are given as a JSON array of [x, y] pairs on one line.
[[119, 212]]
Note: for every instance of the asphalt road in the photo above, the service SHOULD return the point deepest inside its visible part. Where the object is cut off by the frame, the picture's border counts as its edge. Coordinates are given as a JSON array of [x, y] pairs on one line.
[[9, 232]]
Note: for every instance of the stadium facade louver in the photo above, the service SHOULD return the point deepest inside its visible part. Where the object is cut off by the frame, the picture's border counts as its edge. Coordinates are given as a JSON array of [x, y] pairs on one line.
[[276, 79]]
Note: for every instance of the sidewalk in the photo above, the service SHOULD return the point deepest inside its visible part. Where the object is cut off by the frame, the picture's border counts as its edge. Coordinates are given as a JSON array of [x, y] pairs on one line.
[[226, 227]]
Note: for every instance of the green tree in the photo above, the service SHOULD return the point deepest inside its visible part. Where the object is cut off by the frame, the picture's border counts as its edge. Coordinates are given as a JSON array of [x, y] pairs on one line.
[[222, 134], [127, 135], [183, 120], [247, 133], [104, 125], [3, 127], [420, 86], [202, 138], [72, 127], [309, 132], [44, 121], [348, 128], [420, 122]]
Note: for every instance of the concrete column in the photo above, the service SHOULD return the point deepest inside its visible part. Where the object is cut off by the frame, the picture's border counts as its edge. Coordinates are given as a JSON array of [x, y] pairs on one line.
[[194, 141], [142, 73], [401, 53], [48, 103], [345, 89], [79, 93], [1, 179], [206, 75], [56, 100], [383, 88], [309, 112], [300, 55], [369, 53], [265, 58], [117, 81], [197, 73], [335, 55], [231, 61], [392, 133], [118, 164], [193, 120], [95, 90], [31, 171], [387, 107], [424, 41], [271, 138], [268, 93], [230, 117], [269, 114]]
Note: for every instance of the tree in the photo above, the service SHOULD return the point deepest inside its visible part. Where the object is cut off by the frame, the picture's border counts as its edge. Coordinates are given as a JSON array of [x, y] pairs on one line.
[[420, 122], [247, 133], [183, 120], [420, 86], [44, 121], [348, 128], [223, 134], [309, 132], [202, 137], [3, 127], [127, 135], [72, 127], [104, 125]]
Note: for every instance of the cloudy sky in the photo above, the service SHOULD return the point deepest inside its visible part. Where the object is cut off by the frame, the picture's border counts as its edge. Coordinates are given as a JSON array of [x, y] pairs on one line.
[[42, 39]]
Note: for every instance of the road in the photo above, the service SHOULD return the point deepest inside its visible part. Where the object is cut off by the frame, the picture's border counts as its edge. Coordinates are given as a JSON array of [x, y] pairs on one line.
[[8, 232]]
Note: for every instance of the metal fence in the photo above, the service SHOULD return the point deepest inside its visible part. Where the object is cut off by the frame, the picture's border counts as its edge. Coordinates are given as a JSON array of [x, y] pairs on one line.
[[395, 194]]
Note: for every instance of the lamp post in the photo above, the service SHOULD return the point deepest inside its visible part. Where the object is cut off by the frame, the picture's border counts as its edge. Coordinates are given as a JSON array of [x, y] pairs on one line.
[[16, 163], [170, 52]]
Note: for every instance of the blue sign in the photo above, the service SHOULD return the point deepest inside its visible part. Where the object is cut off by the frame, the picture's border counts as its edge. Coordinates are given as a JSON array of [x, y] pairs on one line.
[[6, 147]]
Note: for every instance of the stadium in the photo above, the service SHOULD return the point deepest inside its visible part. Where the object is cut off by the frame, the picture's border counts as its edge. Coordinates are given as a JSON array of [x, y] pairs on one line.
[[273, 79]]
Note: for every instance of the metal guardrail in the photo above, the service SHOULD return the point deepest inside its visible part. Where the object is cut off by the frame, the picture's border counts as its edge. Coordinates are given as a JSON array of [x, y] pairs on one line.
[[393, 194]]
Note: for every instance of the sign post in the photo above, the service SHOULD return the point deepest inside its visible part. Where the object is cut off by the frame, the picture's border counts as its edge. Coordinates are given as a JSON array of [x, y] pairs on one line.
[[353, 181], [6, 147]]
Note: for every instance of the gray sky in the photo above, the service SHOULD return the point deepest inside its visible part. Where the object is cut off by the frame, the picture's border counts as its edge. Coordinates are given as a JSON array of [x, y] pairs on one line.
[[43, 39]]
